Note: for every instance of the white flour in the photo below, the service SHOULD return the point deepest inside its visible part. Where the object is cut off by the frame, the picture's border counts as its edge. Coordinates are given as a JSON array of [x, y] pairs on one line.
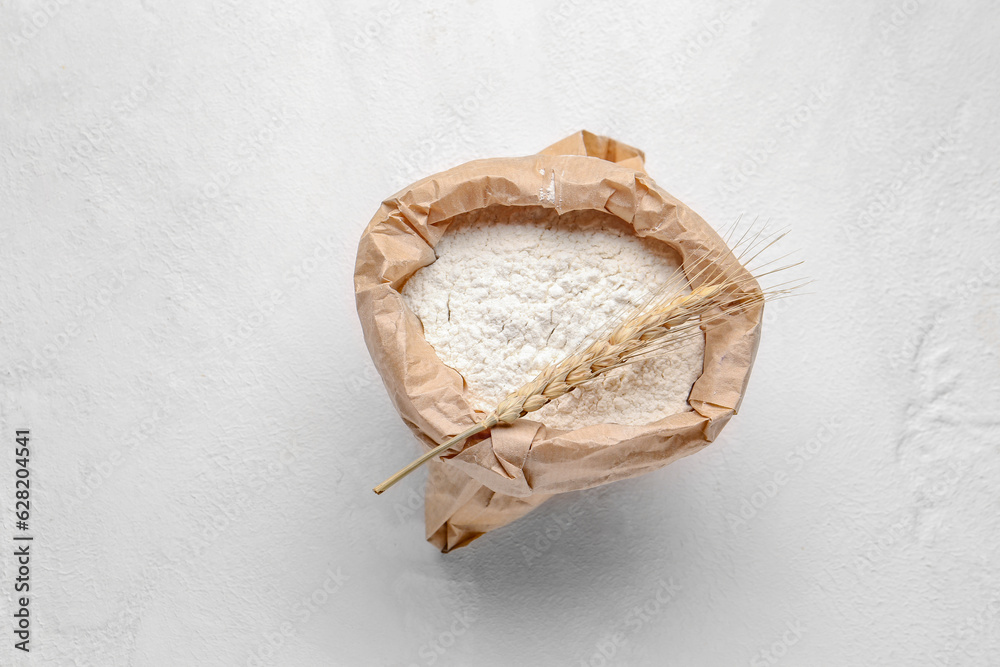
[[512, 292]]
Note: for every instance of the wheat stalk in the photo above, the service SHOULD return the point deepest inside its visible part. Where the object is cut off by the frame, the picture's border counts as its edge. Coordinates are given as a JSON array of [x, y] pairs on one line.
[[663, 323], [669, 319]]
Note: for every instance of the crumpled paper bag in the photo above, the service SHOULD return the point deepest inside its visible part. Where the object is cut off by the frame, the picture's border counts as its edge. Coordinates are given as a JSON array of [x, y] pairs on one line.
[[503, 474]]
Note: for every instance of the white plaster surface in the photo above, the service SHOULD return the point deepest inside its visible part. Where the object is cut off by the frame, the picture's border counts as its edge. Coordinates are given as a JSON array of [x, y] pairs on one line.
[[182, 188]]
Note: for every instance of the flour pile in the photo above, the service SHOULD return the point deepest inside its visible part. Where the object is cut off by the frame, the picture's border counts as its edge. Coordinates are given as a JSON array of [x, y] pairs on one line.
[[514, 290]]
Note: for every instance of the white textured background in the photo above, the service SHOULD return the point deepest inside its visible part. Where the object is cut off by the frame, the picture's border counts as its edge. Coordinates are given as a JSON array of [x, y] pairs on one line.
[[182, 186]]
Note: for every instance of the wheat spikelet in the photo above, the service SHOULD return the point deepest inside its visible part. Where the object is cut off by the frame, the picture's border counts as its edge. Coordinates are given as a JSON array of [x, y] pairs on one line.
[[633, 337], [669, 319]]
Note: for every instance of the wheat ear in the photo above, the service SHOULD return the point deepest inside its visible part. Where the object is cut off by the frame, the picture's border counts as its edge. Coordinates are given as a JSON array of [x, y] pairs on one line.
[[643, 332]]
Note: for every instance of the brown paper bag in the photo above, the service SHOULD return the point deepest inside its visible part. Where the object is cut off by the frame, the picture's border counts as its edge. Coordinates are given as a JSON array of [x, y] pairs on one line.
[[505, 473]]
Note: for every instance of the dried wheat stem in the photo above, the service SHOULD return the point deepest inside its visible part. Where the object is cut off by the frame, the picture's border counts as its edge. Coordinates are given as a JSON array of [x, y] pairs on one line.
[[478, 428]]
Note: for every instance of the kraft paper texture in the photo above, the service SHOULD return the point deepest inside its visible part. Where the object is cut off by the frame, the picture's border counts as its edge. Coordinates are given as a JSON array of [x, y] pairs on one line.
[[505, 473]]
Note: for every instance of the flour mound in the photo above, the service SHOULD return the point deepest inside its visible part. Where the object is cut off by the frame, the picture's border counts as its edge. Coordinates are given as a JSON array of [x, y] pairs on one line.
[[514, 290]]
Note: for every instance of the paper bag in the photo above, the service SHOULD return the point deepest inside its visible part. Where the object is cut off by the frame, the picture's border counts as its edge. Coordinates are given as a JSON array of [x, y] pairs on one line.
[[506, 472]]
